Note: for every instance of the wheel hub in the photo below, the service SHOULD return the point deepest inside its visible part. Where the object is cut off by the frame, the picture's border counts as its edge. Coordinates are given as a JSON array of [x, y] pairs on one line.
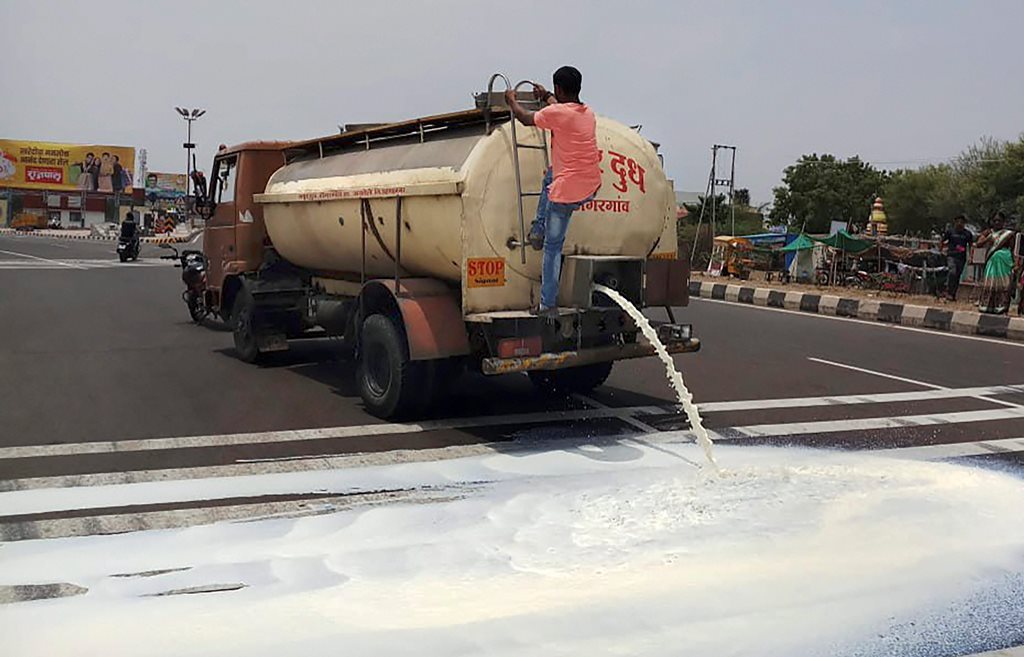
[[378, 369]]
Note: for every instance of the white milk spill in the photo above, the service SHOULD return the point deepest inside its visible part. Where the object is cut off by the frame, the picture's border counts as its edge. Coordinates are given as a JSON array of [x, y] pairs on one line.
[[622, 549], [675, 379]]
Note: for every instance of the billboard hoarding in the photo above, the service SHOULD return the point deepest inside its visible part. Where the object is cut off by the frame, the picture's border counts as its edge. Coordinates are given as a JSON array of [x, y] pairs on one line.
[[164, 185], [66, 167]]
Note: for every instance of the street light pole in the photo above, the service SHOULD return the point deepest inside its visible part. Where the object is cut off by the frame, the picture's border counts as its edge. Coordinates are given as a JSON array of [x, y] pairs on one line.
[[189, 116]]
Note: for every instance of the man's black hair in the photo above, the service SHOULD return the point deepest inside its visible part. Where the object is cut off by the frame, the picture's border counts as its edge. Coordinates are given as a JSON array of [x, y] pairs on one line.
[[959, 217], [569, 80]]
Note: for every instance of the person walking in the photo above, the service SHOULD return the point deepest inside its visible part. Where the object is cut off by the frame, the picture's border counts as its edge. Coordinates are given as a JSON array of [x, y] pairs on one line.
[[999, 266], [575, 174], [957, 244]]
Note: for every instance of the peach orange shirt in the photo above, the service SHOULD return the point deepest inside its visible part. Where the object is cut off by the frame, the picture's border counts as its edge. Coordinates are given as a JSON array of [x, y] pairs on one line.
[[575, 160]]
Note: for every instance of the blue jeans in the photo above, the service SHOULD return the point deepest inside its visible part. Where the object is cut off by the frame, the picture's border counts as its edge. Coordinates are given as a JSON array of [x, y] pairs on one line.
[[552, 222]]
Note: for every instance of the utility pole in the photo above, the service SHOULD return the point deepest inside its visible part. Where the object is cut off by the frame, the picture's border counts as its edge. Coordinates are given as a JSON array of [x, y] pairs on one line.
[[189, 116], [711, 193]]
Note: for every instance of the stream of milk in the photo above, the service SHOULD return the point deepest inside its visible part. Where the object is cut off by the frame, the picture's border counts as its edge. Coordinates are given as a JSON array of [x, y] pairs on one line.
[[675, 379]]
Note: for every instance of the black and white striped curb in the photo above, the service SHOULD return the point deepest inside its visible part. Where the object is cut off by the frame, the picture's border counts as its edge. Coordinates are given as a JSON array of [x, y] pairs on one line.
[[953, 321], [157, 239]]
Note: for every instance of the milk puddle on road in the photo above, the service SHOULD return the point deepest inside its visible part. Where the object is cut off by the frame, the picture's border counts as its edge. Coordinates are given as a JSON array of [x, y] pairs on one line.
[[674, 377], [614, 548], [618, 547]]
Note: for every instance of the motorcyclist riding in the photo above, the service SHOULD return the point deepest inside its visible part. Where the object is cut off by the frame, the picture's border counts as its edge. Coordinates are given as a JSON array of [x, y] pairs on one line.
[[128, 242]]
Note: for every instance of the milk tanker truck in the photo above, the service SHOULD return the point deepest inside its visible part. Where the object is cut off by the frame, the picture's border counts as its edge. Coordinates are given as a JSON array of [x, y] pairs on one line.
[[407, 240]]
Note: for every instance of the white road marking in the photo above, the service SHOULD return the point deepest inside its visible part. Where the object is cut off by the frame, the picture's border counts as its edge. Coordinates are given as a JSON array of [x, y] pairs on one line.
[[923, 384], [870, 398], [630, 414], [119, 523], [245, 468], [865, 424], [630, 420], [871, 323], [875, 373], [81, 263], [357, 474], [955, 450], [353, 431], [33, 257]]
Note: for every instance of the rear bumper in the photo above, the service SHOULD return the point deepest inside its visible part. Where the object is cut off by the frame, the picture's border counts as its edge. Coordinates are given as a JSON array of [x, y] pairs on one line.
[[563, 359]]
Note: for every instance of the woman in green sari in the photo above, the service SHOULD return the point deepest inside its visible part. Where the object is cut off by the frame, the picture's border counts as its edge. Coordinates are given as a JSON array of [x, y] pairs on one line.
[[996, 283]]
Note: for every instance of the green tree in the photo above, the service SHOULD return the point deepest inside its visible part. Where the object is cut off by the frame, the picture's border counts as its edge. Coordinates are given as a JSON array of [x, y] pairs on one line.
[[817, 190], [741, 196], [920, 201], [988, 176]]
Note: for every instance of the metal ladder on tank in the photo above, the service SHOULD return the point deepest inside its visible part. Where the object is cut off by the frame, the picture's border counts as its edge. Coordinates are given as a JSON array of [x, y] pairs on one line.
[[520, 243]]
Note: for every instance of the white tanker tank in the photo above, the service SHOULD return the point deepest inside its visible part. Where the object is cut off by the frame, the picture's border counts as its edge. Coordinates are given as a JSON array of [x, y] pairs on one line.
[[439, 195]]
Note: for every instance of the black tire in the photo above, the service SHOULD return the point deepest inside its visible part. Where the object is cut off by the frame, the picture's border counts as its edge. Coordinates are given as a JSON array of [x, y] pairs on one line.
[[571, 380], [123, 256], [242, 324], [195, 308], [390, 384]]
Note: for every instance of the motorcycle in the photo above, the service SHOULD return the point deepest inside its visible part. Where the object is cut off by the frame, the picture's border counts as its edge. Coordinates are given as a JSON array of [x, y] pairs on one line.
[[128, 248], [193, 274]]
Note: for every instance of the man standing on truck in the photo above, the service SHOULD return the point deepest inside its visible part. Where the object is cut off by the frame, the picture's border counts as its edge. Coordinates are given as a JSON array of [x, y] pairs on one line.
[[575, 174]]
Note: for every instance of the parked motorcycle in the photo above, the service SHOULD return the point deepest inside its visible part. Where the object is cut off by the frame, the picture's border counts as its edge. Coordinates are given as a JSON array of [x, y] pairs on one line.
[[193, 274]]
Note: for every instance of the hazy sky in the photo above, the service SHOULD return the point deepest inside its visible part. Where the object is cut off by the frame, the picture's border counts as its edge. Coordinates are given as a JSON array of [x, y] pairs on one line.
[[895, 82]]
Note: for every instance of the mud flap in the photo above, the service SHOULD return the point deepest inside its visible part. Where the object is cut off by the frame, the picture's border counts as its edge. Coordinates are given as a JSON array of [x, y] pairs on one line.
[[271, 342]]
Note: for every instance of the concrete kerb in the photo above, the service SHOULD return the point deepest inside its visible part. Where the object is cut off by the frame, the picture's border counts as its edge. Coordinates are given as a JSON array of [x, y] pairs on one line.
[[926, 317], [828, 304], [914, 316], [792, 300], [868, 309], [1015, 329], [964, 322], [156, 239]]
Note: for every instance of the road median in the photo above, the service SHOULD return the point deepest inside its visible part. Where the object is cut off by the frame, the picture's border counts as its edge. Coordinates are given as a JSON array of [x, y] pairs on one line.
[[880, 310]]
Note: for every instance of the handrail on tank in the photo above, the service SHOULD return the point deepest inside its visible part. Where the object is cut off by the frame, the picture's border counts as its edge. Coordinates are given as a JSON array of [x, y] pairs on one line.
[[490, 90], [515, 159]]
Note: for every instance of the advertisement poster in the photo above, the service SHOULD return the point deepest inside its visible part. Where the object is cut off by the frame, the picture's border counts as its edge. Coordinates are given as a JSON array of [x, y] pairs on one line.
[[66, 167], [164, 185]]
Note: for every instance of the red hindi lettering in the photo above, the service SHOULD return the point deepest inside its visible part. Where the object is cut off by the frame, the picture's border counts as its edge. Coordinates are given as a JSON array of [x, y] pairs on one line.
[[619, 169], [636, 174]]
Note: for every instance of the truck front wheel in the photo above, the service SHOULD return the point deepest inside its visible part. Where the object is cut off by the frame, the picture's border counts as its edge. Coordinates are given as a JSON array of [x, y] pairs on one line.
[[390, 384], [571, 379]]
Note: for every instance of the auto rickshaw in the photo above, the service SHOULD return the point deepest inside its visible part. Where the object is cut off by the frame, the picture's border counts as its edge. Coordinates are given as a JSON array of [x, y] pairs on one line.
[[731, 256]]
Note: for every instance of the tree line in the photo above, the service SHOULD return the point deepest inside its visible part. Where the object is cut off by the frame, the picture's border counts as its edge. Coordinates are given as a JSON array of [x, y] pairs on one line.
[[819, 189]]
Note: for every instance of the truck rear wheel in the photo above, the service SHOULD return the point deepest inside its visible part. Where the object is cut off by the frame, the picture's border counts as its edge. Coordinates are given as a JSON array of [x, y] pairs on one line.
[[572, 379], [243, 326], [390, 384]]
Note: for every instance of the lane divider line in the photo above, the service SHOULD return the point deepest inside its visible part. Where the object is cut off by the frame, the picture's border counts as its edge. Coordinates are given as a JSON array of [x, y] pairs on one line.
[[633, 413], [912, 381]]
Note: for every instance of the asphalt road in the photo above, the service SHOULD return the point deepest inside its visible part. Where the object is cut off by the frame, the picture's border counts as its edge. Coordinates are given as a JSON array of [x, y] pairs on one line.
[[104, 380]]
